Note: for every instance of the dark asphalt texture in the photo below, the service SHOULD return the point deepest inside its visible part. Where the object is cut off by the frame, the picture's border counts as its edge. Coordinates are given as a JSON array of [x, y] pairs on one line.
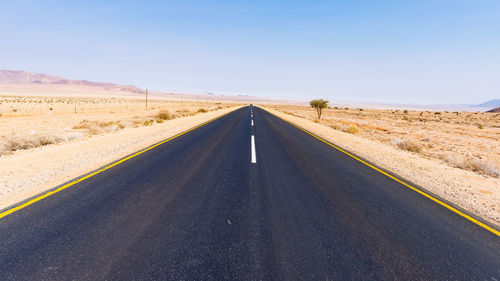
[[195, 208]]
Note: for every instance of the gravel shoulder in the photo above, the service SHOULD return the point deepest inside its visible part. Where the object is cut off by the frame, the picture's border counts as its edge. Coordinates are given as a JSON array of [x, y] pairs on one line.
[[473, 192], [26, 173]]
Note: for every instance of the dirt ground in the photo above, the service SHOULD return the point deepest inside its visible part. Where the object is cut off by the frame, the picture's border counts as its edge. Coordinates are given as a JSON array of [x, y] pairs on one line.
[[468, 140], [455, 155], [41, 147], [28, 122]]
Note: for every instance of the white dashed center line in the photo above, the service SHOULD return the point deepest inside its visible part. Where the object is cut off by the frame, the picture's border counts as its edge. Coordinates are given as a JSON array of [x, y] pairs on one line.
[[254, 156]]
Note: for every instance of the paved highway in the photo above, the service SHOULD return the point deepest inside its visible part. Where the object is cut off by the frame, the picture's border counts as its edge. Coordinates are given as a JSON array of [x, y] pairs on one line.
[[217, 203]]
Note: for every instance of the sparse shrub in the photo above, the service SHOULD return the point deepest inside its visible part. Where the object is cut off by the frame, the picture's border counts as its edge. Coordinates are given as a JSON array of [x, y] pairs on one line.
[[136, 123], [159, 121], [85, 124], [202, 110], [405, 111], [20, 143], [353, 129], [473, 164], [480, 126], [14, 110], [164, 115], [94, 130], [148, 123], [106, 124], [51, 109], [407, 145], [405, 118], [98, 127], [45, 140]]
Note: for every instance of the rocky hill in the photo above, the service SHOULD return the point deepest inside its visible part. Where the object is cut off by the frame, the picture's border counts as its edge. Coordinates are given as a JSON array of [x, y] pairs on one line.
[[29, 78]]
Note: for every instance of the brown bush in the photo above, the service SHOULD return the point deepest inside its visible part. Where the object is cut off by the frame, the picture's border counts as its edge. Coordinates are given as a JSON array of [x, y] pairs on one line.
[[164, 115], [353, 129], [473, 164], [407, 145], [98, 127], [20, 143]]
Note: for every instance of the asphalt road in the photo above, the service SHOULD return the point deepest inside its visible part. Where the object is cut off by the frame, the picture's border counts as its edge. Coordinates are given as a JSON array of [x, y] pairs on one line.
[[197, 208]]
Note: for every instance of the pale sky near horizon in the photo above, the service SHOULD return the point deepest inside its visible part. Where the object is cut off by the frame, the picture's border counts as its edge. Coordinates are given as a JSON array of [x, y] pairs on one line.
[[406, 51]]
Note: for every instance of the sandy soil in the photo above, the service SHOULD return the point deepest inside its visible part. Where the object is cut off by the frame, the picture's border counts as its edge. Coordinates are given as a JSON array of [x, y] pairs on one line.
[[467, 140], [42, 148], [475, 191]]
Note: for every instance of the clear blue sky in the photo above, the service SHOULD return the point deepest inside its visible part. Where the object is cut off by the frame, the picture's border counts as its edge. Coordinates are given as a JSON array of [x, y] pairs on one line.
[[418, 51]]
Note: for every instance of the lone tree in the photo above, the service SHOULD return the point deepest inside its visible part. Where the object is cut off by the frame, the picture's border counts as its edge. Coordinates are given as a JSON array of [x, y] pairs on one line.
[[319, 105]]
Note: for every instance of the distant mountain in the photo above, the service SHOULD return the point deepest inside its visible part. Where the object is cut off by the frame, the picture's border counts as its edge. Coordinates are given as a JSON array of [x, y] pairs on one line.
[[494, 110], [14, 82], [25, 78], [491, 103]]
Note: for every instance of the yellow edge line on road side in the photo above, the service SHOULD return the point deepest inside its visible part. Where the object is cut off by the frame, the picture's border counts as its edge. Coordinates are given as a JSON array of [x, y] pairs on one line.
[[45, 195], [419, 191]]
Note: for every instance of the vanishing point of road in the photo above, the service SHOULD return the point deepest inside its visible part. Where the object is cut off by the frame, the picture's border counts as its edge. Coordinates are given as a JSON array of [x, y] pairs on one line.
[[247, 196]]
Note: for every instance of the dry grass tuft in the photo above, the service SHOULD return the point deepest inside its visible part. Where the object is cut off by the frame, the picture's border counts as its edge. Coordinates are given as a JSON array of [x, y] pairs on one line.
[[407, 145], [473, 164], [164, 115], [98, 127], [27, 142], [202, 110], [352, 129]]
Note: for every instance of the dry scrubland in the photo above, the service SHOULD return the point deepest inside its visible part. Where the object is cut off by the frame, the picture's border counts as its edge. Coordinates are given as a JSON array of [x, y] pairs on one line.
[[453, 154], [29, 122], [43, 142]]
